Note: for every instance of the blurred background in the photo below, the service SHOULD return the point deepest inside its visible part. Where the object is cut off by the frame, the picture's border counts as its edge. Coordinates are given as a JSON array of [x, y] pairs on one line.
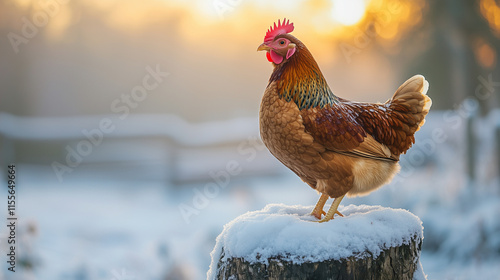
[[133, 126]]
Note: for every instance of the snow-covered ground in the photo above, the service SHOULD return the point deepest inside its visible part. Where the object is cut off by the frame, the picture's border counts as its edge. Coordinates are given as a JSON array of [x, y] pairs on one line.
[[109, 230], [114, 227]]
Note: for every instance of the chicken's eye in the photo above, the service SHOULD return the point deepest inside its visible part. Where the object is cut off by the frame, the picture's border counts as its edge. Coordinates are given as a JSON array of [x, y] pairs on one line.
[[282, 42]]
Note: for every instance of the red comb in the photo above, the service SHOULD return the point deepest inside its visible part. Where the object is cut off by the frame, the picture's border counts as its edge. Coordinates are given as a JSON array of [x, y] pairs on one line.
[[281, 28]]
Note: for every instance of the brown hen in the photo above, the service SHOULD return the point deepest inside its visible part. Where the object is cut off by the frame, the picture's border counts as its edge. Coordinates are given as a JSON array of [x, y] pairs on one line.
[[336, 146]]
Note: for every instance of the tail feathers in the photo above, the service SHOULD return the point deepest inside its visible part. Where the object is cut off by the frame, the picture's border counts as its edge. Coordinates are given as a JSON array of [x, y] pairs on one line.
[[411, 102]]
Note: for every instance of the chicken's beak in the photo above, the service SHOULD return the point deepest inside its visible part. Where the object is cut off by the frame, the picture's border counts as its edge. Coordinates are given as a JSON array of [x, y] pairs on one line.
[[263, 47]]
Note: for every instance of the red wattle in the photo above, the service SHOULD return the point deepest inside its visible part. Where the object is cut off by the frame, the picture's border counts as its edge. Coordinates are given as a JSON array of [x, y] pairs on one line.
[[268, 55], [277, 59]]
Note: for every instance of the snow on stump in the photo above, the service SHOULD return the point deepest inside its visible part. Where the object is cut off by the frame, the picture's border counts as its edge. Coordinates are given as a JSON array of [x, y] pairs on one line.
[[281, 242]]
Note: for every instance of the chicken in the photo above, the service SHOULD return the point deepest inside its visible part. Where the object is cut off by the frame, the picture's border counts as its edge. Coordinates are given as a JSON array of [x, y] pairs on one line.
[[338, 147]]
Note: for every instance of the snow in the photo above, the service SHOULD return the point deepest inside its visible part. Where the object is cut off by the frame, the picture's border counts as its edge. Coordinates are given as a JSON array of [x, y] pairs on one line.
[[288, 231], [438, 266], [103, 222], [54, 128], [419, 273]]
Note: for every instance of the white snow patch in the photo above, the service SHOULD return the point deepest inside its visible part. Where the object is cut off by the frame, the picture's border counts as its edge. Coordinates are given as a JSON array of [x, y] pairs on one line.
[[288, 231], [419, 273]]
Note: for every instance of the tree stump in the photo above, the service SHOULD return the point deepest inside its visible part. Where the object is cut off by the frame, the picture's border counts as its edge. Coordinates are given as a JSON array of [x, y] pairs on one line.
[[282, 242]]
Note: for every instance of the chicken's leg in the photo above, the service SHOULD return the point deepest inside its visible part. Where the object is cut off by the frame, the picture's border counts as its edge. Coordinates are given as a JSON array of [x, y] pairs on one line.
[[318, 210], [333, 210]]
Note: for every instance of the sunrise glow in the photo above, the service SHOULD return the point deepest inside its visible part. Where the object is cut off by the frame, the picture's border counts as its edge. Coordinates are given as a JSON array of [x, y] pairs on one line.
[[348, 12]]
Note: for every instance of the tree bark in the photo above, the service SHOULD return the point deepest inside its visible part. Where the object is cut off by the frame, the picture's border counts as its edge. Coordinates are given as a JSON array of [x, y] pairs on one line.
[[393, 263]]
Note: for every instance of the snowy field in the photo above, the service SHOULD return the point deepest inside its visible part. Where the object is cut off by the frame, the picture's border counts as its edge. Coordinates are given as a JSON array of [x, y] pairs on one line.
[[115, 228]]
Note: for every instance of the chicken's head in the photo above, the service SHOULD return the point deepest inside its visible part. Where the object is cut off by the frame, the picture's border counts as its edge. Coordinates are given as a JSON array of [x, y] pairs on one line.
[[279, 48]]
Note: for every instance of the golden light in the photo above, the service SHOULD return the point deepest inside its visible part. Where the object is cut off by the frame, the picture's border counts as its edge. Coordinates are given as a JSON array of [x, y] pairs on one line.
[[348, 12], [198, 20], [393, 18], [491, 11], [485, 54]]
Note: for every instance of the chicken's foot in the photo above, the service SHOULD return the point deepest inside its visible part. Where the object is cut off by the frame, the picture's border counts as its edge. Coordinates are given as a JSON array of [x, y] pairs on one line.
[[318, 210], [333, 210]]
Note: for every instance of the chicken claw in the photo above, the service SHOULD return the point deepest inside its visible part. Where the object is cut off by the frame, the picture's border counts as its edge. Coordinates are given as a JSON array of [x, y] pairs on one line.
[[318, 209], [333, 210]]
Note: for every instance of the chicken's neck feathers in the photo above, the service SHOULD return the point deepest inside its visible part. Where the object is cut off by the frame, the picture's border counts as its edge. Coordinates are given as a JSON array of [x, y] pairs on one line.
[[300, 80]]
